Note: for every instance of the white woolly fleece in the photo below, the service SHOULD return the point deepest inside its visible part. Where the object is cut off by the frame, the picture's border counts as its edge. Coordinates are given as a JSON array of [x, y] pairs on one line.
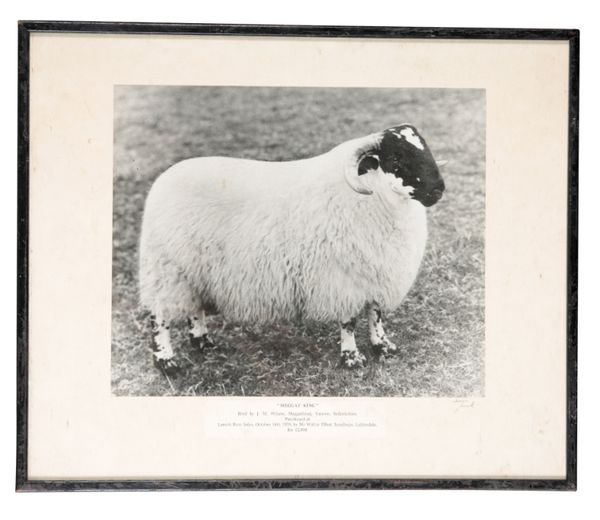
[[267, 241]]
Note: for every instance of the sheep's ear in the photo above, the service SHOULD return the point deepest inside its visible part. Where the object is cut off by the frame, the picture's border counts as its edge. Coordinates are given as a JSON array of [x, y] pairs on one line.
[[367, 163], [441, 163]]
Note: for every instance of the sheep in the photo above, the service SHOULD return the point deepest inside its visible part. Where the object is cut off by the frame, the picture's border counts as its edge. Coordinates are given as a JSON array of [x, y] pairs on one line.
[[319, 238]]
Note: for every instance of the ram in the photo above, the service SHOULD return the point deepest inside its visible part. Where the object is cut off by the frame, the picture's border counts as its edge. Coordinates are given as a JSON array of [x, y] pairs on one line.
[[320, 238]]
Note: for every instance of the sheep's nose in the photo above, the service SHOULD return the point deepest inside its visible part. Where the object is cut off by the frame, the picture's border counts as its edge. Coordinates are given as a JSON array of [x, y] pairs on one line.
[[432, 197], [437, 194]]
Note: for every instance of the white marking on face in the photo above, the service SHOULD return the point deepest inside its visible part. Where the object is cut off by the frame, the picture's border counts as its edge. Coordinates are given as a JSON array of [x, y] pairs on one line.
[[397, 186], [412, 138]]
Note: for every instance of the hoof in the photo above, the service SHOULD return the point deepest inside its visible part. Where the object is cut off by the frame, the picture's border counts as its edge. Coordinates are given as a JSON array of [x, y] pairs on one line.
[[385, 348], [168, 365], [379, 350], [352, 359], [202, 342]]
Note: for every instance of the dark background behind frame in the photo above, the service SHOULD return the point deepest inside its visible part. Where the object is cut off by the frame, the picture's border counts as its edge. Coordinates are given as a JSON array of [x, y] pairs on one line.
[[25, 30]]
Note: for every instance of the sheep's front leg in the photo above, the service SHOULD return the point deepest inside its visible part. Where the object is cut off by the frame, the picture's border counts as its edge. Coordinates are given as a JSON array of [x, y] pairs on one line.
[[162, 351], [380, 343], [198, 332], [350, 357]]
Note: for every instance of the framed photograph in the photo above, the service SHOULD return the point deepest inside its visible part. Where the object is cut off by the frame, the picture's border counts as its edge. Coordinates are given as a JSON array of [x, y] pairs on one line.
[[296, 257]]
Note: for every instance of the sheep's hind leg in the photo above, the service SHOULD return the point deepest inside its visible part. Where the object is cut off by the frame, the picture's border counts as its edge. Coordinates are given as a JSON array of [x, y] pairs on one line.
[[162, 351], [198, 332], [350, 357], [380, 343]]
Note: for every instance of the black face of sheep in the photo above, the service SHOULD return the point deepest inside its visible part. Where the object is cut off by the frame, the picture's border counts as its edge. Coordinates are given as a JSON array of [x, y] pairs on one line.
[[405, 153]]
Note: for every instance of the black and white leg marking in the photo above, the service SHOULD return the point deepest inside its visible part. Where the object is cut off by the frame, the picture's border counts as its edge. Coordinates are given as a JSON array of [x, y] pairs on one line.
[[380, 343], [162, 351], [350, 357], [198, 332]]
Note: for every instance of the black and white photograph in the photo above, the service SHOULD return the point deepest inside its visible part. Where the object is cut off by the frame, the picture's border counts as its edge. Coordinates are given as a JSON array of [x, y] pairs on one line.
[[294, 241]]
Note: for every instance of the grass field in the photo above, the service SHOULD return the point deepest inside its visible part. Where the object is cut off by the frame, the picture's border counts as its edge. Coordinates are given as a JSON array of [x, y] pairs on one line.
[[440, 325]]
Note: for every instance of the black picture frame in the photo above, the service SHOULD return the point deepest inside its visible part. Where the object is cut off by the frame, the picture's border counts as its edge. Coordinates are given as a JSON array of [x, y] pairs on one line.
[[27, 28]]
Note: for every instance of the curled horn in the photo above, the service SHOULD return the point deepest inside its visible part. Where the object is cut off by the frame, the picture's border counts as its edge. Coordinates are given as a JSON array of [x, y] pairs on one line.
[[360, 147]]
